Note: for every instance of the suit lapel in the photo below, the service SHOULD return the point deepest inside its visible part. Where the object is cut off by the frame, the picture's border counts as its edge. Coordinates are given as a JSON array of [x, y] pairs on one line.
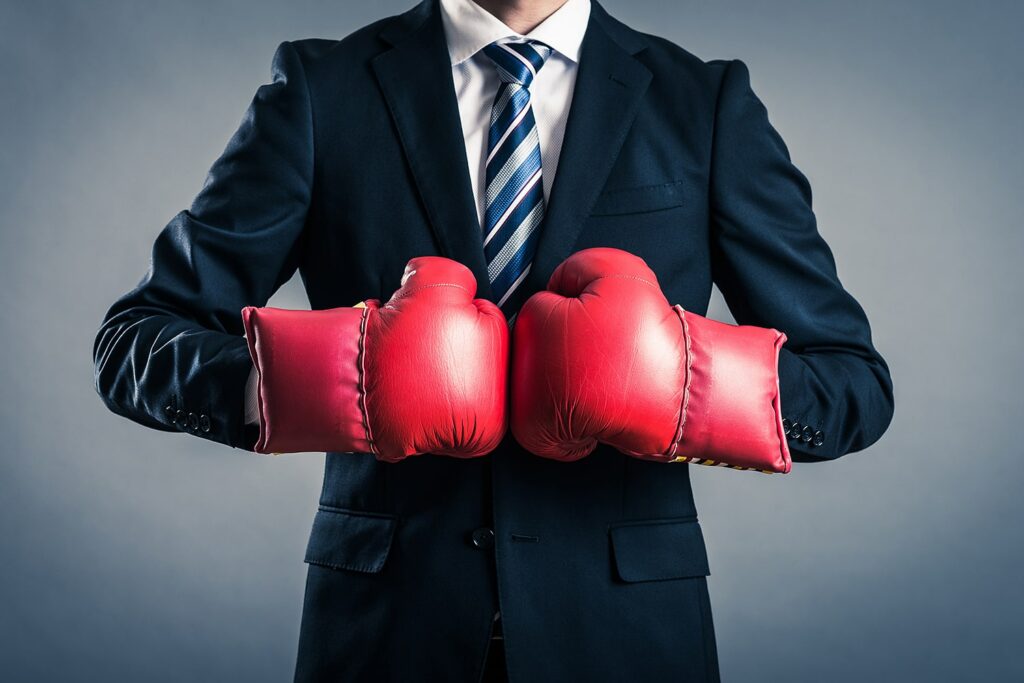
[[416, 78], [609, 86]]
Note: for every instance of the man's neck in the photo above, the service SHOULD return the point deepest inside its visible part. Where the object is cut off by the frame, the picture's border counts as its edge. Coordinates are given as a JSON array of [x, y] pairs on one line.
[[522, 16]]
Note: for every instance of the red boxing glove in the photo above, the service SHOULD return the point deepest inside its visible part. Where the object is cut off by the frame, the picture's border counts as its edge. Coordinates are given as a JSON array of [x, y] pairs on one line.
[[424, 373], [602, 356]]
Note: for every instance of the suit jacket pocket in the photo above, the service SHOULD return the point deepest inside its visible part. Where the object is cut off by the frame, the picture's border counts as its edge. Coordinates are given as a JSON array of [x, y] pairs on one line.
[[658, 549], [347, 539], [644, 199]]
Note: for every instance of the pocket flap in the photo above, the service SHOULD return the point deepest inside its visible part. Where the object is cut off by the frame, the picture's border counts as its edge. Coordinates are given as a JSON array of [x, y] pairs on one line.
[[345, 539], [655, 550], [639, 199]]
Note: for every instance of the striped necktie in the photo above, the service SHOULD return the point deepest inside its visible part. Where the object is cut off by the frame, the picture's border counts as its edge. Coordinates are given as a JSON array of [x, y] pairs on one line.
[[514, 191]]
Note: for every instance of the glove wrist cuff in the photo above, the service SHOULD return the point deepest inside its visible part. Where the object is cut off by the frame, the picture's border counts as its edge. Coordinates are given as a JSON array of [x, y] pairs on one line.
[[310, 381], [731, 409]]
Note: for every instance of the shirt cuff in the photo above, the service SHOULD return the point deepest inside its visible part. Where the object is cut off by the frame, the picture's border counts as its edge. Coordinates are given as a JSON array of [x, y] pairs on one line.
[[252, 404]]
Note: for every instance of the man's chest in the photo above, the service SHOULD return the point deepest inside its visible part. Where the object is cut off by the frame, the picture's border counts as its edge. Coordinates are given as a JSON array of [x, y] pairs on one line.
[[394, 180]]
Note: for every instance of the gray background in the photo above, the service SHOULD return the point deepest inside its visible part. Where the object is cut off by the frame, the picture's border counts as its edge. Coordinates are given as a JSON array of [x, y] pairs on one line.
[[127, 554]]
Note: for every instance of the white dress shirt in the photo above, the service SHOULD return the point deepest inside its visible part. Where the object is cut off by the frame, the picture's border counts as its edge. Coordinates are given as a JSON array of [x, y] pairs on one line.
[[468, 28]]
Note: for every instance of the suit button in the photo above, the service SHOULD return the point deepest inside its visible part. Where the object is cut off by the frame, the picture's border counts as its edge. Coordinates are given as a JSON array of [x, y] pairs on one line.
[[204, 422], [483, 538], [179, 417], [807, 434], [794, 430], [819, 438], [786, 426], [193, 421]]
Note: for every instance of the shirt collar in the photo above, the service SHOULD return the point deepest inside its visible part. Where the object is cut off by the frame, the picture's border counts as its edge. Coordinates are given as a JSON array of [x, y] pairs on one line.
[[469, 28]]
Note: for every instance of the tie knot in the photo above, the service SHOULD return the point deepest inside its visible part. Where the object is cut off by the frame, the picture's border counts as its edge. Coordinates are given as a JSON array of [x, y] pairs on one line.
[[518, 62]]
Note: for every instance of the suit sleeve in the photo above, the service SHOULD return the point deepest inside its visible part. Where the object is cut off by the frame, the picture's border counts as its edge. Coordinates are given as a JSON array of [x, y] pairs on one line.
[[775, 270], [170, 354]]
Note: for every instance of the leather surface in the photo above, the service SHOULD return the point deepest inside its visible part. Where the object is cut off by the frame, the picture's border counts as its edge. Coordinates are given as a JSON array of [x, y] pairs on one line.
[[436, 366], [598, 357], [602, 357], [308, 378], [734, 414], [423, 373]]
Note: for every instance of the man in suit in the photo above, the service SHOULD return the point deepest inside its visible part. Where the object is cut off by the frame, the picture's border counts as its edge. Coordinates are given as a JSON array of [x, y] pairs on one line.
[[365, 152]]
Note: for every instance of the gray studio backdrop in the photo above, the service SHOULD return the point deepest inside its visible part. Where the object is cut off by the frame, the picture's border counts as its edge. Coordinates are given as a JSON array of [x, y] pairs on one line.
[[127, 554]]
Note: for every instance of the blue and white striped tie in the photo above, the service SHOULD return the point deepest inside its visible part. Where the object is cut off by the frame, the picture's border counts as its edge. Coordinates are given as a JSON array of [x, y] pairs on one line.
[[515, 193]]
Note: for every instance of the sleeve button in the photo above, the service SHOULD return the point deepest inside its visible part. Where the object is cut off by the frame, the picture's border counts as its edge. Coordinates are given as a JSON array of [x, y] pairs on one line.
[[193, 421], [204, 423], [794, 430], [819, 438], [807, 434], [179, 417], [786, 426]]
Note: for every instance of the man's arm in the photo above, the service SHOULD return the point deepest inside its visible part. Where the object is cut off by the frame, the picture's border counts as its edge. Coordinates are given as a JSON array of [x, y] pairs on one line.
[[775, 270], [170, 353]]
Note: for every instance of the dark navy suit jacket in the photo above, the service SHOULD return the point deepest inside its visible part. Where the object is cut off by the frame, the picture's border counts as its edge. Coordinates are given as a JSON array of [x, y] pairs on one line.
[[351, 162]]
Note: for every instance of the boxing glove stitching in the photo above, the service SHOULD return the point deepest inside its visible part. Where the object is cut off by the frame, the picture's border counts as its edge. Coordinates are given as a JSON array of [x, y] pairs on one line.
[[618, 276], [780, 434], [686, 387], [361, 365], [402, 293], [628, 277]]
